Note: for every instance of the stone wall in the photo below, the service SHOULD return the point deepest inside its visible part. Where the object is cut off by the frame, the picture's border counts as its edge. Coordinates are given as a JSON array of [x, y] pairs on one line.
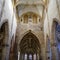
[[52, 15], [7, 15]]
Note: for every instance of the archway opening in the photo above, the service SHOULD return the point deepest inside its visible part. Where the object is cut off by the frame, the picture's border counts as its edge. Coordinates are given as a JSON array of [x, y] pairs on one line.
[[30, 47], [3, 40]]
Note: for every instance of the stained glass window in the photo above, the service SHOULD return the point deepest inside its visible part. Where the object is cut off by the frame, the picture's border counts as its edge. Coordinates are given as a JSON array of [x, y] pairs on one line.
[[57, 37], [30, 57], [25, 57]]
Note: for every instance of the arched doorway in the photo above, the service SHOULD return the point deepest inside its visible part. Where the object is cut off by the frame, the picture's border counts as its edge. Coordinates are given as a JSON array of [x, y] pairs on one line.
[[3, 41], [30, 47]]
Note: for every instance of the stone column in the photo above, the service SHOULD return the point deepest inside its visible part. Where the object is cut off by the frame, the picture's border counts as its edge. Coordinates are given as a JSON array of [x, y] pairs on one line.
[[18, 55], [32, 57], [54, 51], [23, 56], [27, 56], [36, 57]]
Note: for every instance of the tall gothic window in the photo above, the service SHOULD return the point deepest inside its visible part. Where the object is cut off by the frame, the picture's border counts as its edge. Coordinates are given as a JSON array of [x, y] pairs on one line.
[[30, 57], [58, 36]]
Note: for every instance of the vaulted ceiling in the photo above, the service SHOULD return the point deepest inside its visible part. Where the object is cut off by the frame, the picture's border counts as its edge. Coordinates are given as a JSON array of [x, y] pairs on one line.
[[24, 6]]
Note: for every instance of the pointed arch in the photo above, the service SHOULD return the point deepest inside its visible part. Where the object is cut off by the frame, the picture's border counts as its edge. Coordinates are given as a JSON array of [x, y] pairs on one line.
[[30, 45], [26, 33], [4, 33], [27, 37], [11, 55]]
